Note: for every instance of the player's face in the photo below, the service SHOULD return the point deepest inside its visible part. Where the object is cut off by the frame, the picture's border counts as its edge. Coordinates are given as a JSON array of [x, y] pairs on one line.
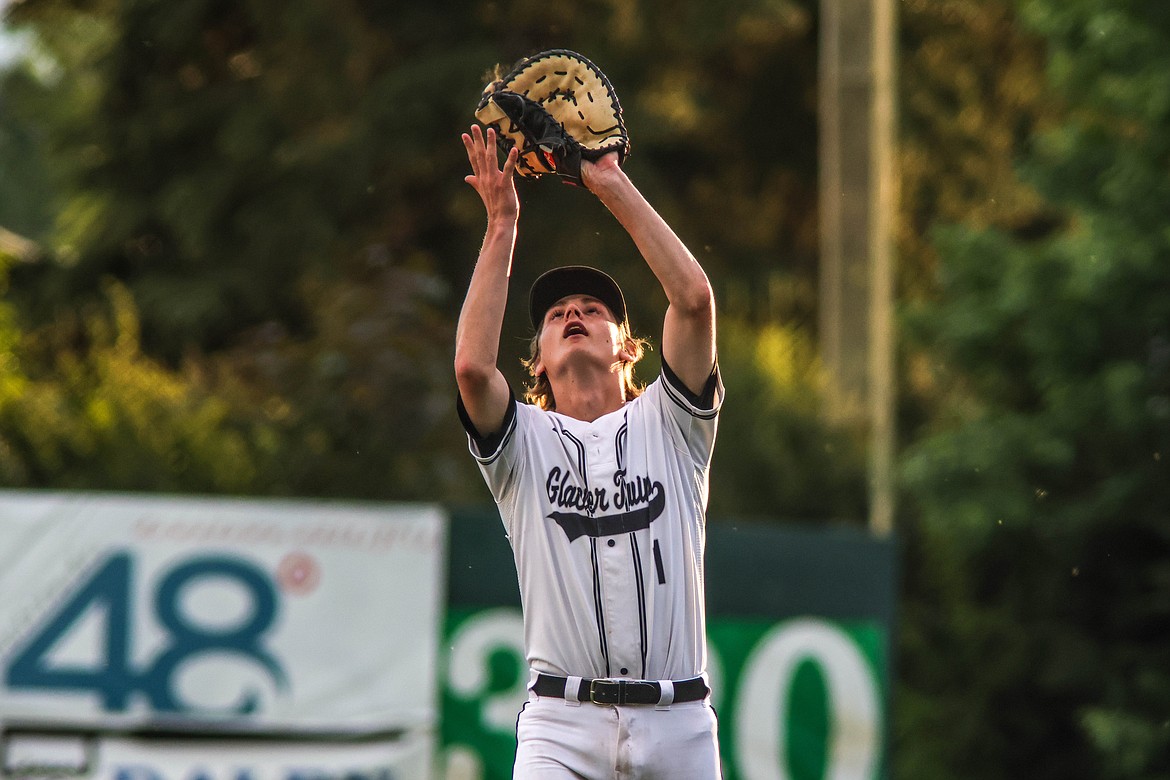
[[578, 327]]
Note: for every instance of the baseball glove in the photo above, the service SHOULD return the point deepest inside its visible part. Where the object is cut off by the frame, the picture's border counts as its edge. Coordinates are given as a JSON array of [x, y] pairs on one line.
[[558, 108]]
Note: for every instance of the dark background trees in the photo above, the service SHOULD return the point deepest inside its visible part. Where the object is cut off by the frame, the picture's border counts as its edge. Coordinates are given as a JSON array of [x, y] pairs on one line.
[[1037, 485]]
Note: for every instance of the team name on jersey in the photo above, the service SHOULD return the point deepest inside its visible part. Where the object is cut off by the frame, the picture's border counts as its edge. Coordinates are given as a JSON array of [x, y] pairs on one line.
[[564, 494], [638, 502], [628, 493]]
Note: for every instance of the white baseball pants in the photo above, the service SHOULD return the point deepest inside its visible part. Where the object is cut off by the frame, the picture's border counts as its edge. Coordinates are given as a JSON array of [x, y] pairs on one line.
[[584, 741]]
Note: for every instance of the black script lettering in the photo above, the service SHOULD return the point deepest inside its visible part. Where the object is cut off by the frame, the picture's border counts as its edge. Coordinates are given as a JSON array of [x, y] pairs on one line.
[[552, 487], [631, 493], [563, 493]]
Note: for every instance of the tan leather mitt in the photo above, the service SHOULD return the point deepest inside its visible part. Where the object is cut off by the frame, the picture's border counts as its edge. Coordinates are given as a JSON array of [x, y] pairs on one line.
[[558, 108]]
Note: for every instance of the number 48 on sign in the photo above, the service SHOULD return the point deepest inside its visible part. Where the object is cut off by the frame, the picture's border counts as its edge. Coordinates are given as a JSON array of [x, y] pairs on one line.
[[112, 674]]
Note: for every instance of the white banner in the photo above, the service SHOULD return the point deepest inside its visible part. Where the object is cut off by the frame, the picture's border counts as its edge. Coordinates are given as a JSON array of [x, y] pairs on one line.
[[126, 612], [83, 758]]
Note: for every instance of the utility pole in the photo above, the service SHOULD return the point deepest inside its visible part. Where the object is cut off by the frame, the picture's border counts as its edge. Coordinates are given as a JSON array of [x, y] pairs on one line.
[[858, 200]]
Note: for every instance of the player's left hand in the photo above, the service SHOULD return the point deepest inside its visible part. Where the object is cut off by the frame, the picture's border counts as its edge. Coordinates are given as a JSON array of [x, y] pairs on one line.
[[597, 172]]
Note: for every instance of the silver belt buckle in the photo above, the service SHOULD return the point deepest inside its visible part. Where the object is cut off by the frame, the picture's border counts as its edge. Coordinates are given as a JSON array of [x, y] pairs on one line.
[[602, 691]]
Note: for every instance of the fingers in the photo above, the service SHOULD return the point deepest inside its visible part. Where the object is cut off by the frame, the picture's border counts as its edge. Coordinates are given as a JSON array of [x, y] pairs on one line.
[[510, 162], [482, 145], [494, 184], [480, 151], [489, 149], [487, 177], [472, 144]]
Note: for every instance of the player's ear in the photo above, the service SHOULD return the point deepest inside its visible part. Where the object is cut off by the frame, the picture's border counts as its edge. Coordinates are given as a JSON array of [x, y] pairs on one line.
[[628, 352], [535, 361]]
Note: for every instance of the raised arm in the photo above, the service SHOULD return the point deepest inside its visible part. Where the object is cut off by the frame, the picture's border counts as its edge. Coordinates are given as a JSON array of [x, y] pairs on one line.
[[688, 332], [482, 387]]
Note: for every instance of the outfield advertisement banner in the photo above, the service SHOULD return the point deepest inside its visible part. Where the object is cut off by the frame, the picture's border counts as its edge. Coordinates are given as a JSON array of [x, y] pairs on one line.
[[407, 757], [129, 612]]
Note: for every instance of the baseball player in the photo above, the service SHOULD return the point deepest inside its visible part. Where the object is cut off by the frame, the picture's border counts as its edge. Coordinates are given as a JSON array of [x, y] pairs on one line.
[[602, 488]]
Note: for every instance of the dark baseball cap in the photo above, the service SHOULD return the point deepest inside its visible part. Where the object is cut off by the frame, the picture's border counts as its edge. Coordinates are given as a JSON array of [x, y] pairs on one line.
[[553, 285]]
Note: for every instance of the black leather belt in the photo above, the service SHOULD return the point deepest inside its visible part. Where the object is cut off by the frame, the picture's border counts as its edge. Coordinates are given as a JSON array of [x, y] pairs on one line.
[[621, 691]]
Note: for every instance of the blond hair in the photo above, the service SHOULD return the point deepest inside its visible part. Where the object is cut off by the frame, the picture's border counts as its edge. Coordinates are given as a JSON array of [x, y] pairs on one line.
[[539, 391]]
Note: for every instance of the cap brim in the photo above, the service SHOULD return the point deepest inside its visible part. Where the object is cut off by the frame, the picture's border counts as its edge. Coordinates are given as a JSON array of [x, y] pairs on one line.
[[553, 285]]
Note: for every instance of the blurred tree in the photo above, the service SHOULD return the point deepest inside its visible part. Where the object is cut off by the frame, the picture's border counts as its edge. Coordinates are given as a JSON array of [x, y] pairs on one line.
[[973, 99], [783, 453], [25, 186], [279, 189], [217, 151], [107, 417], [1038, 630]]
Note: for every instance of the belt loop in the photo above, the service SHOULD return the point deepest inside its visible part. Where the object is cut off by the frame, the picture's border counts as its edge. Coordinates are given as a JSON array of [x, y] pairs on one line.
[[573, 691], [666, 694]]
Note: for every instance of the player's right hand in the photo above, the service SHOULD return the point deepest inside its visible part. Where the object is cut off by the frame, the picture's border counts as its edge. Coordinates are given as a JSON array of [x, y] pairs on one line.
[[495, 185]]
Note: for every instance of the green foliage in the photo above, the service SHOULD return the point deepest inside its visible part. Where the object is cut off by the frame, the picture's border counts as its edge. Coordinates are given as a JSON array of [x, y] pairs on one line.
[[366, 408], [216, 153], [973, 95], [1041, 493], [25, 186], [777, 454], [107, 417]]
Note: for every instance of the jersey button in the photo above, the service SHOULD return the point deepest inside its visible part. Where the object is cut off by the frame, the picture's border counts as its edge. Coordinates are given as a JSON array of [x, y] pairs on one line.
[[611, 542]]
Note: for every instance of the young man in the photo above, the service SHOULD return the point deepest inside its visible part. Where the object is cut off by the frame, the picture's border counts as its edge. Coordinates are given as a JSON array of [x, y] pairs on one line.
[[602, 489]]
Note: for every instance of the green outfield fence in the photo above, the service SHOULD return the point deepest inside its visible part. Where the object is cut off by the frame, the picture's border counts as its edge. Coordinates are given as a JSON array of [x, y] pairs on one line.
[[800, 628]]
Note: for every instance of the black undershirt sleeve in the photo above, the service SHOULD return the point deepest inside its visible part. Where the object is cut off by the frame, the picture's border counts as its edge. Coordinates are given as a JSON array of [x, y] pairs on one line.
[[706, 398], [486, 444]]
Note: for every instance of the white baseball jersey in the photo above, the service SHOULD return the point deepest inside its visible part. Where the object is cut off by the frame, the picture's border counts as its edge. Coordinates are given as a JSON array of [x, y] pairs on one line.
[[607, 525]]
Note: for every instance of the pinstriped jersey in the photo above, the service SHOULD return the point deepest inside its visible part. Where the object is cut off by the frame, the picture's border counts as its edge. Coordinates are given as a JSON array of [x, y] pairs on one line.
[[607, 525]]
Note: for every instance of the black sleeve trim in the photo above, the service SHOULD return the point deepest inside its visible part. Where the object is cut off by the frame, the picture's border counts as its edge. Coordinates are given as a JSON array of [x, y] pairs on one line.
[[705, 399], [491, 442]]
